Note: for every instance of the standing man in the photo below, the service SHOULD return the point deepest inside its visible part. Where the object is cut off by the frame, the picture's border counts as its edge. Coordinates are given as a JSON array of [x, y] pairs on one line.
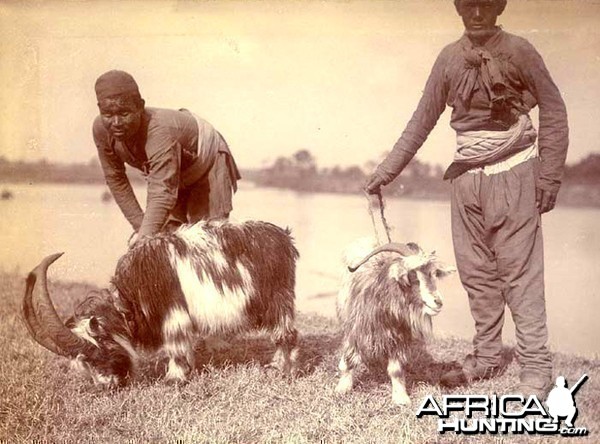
[[189, 169], [502, 181]]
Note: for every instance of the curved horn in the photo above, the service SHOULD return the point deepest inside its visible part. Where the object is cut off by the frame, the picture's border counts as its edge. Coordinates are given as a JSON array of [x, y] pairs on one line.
[[392, 247], [41, 318]]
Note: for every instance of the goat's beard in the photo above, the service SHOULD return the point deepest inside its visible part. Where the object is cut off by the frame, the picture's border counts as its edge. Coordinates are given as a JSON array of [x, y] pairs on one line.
[[111, 371], [420, 321]]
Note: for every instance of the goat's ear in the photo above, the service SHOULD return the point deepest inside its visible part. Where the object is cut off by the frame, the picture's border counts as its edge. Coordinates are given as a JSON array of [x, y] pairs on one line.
[[414, 248], [399, 274], [94, 324], [96, 328], [443, 270]]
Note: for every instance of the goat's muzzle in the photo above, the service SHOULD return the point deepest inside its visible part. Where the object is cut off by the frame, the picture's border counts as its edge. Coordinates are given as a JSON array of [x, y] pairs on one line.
[[41, 318], [393, 247]]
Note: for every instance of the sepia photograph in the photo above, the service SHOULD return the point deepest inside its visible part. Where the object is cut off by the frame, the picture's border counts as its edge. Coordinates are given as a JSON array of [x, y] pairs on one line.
[[299, 221]]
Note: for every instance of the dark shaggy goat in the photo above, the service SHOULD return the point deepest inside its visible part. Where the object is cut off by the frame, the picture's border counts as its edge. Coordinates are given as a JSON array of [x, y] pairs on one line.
[[385, 302], [209, 278]]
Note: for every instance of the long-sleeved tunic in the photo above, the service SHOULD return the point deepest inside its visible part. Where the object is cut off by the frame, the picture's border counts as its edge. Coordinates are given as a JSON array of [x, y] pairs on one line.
[[172, 148], [527, 82]]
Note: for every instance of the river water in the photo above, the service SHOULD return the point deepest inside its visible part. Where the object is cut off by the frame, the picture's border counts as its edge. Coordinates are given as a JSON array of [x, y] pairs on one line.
[[44, 219]]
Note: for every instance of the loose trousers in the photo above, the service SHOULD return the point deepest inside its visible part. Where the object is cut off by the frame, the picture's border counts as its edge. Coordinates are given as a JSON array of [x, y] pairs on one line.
[[497, 235]]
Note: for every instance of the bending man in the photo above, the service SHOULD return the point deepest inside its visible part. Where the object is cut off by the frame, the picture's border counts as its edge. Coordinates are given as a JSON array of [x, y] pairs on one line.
[[189, 169]]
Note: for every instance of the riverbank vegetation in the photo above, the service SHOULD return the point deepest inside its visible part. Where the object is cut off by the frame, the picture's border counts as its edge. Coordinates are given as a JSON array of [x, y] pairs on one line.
[[419, 180], [300, 172], [231, 398]]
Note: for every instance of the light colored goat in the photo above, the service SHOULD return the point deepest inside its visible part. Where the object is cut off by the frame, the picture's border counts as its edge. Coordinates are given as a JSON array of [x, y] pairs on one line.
[[387, 297]]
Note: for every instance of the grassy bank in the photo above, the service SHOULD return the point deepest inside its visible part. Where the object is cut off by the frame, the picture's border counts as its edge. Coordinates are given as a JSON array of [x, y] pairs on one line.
[[231, 398]]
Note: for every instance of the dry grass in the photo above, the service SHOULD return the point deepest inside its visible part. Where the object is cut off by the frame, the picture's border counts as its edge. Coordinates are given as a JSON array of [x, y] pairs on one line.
[[231, 398]]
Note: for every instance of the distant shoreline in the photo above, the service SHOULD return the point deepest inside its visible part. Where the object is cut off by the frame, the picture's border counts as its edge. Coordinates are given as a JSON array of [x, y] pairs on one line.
[[419, 181], [570, 195]]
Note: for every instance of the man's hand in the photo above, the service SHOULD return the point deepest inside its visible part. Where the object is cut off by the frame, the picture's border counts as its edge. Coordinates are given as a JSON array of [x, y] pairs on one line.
[[374, 183], [545, 200], [132, 239]]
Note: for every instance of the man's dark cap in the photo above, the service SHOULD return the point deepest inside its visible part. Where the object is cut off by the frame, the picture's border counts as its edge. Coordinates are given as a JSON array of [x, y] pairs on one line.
[[116, 83], [501, 4]]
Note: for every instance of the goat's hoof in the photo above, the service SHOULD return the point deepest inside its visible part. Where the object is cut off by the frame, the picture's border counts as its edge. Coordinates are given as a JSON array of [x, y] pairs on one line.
[[176, 377], [293, 372], [176, 381], [401, 399], [344, 387], [273, 366], [279, 365]]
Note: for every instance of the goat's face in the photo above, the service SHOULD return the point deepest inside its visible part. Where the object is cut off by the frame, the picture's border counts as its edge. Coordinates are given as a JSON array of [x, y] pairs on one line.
[[416, 272], [420, 284], [96, 338], [112, 358]]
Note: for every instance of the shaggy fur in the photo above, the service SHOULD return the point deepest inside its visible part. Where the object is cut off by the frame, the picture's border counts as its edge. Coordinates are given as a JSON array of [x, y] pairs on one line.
[[383, 307], [208, 278]]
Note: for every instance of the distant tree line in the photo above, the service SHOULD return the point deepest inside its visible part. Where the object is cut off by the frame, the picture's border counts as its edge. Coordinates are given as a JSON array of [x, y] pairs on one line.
[[419, 180], [585, 172], [300, 172], [42, 171]]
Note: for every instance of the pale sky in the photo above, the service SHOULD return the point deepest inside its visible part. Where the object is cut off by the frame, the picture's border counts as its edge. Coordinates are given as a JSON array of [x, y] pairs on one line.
[[340, 79]]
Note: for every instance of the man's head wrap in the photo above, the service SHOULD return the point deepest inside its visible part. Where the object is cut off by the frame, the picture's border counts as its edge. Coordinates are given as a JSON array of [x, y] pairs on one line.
[[500, 4], [116, 83]]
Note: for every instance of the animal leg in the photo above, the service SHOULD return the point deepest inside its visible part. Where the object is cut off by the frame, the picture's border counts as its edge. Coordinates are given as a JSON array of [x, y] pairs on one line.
[[285, 338], [179, 345], [396, 373], [349, 361], [179, 369]]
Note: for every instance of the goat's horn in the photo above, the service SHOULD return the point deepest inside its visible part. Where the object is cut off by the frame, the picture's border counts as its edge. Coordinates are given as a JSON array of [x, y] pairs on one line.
[[41, 318], [392, 247]]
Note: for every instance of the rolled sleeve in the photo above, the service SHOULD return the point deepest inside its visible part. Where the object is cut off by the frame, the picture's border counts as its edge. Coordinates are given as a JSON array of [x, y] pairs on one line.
[[116, 178], [163, 185]]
